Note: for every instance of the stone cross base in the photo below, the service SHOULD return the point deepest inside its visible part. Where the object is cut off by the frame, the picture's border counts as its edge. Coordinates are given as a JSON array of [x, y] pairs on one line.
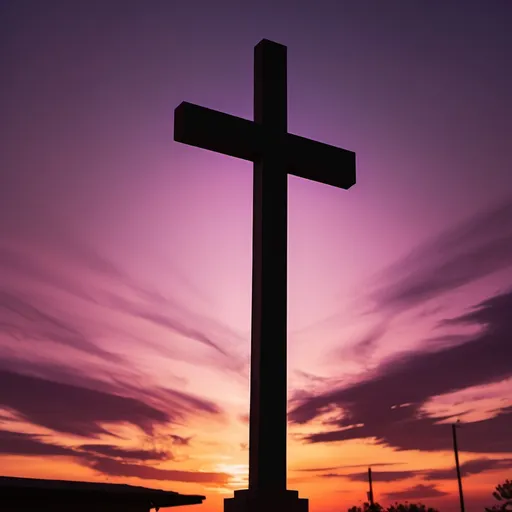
[[250, 501]]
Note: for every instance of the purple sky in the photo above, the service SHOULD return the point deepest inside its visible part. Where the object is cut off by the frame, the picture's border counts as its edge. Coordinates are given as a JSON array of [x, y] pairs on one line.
[[125, 258]]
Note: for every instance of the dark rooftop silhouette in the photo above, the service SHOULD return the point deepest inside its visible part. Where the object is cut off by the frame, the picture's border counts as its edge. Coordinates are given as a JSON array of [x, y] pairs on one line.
[[24, 494]]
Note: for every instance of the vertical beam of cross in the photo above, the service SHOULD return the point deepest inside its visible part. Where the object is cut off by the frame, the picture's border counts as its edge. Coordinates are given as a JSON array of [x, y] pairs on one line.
[[267, 434], [275, 154]]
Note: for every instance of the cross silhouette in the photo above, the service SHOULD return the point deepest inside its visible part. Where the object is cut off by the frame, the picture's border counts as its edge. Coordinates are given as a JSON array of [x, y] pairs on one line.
[[275, 154]]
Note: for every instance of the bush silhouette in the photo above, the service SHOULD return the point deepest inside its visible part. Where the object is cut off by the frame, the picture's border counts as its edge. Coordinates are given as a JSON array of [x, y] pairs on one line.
[[397, 507], [503, 494]]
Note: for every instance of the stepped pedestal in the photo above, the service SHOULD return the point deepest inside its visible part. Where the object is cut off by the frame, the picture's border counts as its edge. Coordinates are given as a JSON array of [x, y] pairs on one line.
[[250, 501]]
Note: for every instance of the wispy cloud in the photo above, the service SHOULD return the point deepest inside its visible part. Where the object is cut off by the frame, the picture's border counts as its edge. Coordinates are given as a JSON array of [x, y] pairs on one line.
[[381, 476], [417, 286], [180, 440], [20, 443], [116, 468], [172, 398], [125, 453], [417, 492], [16, 443], [175, 325], [72, 409], [61, 262], [472, 250], [106, 459], [468, 468], [415, 377], [21, 319], [335, 468]]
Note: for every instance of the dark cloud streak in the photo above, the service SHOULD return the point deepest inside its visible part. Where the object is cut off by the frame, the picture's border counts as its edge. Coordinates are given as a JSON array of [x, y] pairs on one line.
[[381, 476], [417, 492], [472, 250], [15, 443], [17, 259], [23, 320], [116, 468], [112, 451], [72, 409], [416, 377], [103, 458], [468, 468]]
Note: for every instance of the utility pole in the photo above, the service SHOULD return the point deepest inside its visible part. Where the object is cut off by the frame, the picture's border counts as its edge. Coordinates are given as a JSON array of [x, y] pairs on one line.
[[456, 452], [370, 492]]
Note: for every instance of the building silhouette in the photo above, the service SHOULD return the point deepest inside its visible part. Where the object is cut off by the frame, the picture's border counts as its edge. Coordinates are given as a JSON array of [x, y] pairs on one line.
[[31, 494]]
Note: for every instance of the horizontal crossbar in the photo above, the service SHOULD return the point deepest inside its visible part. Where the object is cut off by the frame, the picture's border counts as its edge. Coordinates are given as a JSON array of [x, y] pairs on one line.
[[209, 129], [240, 138], [320, 162]]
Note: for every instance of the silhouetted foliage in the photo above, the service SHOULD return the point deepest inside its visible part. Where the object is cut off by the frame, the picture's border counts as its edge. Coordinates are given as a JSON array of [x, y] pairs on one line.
[[410, 507], [503, 494], [367, 508], [397, 507]]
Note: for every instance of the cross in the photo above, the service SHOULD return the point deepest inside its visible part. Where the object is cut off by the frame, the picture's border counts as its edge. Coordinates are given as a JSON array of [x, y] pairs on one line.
[[275, 154]]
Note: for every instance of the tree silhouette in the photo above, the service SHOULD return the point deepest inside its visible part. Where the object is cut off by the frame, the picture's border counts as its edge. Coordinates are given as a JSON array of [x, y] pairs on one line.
[[397, 507], [367, 508], [410, 507], [503, 494]]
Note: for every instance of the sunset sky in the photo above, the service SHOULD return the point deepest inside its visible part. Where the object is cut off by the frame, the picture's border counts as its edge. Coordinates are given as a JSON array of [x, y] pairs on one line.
[[125, 258]]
